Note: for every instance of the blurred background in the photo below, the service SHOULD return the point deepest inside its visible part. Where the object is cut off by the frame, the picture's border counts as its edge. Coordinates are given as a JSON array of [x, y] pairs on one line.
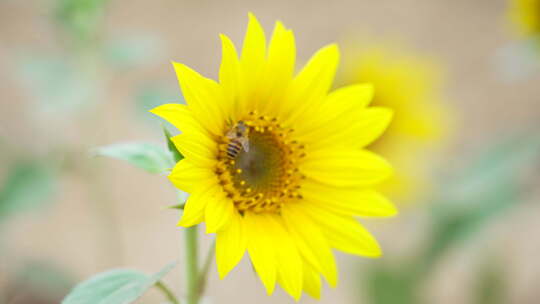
[[81, 74]]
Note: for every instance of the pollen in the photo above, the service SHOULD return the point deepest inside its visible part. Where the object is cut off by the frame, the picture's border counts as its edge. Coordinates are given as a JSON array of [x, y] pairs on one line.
[[265, 176]]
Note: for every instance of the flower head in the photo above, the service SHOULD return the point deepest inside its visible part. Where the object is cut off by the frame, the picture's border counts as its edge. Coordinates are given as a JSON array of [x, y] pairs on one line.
[[275, 164], [410, 85], [525, 16]]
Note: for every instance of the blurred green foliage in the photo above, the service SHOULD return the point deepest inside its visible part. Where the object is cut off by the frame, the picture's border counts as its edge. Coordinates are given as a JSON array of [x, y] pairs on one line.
[[119, 286], [519, 60], [495, 165], [491, 286], [70, 82], [453, 226], [54, 84], [77, 76], [491, 184], [386, 284], [29, 184], [131, 51], [40, 279], [81, 19]]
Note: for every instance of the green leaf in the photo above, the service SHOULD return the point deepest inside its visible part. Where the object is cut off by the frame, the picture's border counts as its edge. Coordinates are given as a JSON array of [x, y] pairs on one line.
[[120, 286], [29, 185], [172, 148], [149, 157]]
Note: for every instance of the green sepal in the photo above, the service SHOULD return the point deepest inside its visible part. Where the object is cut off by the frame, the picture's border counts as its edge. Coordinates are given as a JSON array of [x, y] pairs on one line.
[[177, 156]]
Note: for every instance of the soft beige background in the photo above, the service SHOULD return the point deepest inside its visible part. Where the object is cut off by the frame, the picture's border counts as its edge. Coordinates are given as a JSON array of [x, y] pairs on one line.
[[463, 34]]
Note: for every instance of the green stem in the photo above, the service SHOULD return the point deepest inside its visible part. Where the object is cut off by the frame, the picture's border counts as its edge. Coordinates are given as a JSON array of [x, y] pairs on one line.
[[203, 274], [167, 292], [191, 265]]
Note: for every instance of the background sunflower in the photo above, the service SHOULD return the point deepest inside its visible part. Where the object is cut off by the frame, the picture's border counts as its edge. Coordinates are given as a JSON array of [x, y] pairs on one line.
[[411, 85], [525, 17]]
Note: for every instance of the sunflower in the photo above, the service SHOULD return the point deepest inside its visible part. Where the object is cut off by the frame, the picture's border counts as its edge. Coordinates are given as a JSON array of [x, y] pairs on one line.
[[525, 16], [274, 163], [411, 86]]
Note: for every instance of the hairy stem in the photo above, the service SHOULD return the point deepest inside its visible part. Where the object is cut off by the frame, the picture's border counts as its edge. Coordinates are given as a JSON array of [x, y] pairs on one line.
[[203, 274], [191, 265]]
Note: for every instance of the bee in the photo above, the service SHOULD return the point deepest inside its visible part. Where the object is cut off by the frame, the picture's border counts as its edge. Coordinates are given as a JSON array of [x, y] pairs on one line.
[[238, 136]]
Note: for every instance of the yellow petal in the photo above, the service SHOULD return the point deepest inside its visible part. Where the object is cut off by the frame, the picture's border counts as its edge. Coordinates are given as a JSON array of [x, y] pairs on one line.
[[189, 177], [316, 78], [345, 167], [179, 116], [218, 213], [337, 112], [311, 242], [348, 201], [254, 47], [278, 70], [289, 263], [349, 97], [262, 251], [343, 232], [194, 208], [231, 243], [368, 127], [253, 58], [341, 105], [230, 76], [282, 53], [312, 282], [354, 128], [197, 148], [311, 85], [203, 96]]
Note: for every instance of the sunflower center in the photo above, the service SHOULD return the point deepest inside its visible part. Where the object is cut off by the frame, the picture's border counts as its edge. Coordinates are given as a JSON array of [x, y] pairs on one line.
[[257, 164]]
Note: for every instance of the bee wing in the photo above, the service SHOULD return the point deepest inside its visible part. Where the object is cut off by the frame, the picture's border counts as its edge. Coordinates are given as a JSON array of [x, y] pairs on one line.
[[245, 143]]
